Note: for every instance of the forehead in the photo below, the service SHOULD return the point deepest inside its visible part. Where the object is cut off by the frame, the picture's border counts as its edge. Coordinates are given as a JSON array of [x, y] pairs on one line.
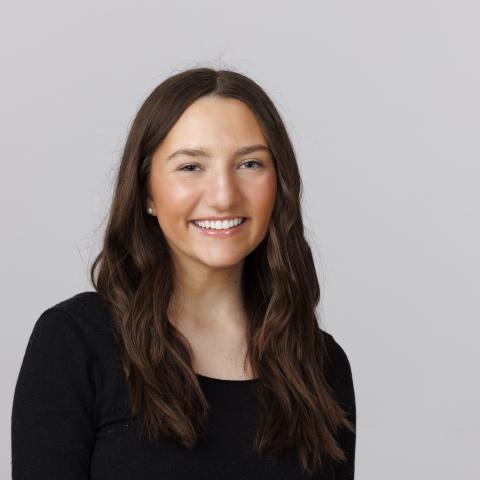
[[214, 122]]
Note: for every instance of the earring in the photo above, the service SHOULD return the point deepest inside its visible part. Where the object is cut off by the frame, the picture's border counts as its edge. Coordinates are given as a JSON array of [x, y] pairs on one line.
[[150, 211]]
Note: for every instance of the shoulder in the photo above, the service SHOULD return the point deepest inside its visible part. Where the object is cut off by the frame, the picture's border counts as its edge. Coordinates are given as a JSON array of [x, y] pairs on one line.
[[335, 355], [338, 370], [82, 306], [82, 317], [87, 309]]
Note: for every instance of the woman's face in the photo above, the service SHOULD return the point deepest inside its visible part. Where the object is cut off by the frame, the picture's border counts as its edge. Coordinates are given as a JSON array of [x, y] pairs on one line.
[[220, 181]]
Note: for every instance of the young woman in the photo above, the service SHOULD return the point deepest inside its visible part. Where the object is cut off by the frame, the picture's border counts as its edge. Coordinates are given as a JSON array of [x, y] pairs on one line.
[[199, 354]]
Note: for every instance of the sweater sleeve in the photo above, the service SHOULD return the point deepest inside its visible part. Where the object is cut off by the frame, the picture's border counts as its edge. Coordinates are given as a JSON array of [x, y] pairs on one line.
[[344, 387], [53, 405]]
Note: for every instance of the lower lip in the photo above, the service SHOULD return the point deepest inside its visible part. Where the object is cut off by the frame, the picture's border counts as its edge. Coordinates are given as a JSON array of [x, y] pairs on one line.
[[229, 232]]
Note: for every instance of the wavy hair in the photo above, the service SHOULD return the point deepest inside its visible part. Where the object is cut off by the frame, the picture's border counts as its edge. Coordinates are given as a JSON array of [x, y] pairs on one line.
[[134, 275]]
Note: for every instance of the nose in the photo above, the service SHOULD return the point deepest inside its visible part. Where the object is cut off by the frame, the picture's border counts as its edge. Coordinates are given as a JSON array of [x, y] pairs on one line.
[[223, 189]]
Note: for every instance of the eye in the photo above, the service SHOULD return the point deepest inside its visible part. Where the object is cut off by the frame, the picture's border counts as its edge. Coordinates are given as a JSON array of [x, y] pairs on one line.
[[188, 165], [252, 161], [186, 169]]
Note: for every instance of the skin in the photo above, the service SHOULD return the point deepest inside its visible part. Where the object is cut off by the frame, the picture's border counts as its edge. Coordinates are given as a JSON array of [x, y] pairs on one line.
[[207, 306]]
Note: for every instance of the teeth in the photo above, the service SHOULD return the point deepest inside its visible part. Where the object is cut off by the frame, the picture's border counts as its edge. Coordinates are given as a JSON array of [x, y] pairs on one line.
[[219, 225]]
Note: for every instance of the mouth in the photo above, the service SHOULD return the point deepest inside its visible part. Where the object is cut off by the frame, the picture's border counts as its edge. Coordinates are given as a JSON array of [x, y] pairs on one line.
[[221, 232]]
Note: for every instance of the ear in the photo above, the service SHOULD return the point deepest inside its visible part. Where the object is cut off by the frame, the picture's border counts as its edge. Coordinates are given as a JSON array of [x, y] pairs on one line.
[[148, 201]]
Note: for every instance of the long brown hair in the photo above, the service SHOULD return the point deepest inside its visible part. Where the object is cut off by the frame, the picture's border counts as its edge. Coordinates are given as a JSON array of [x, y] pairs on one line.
[[136, 278]]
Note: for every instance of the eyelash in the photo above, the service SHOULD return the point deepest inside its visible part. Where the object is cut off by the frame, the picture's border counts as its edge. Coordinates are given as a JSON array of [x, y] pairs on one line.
[[195, 165]]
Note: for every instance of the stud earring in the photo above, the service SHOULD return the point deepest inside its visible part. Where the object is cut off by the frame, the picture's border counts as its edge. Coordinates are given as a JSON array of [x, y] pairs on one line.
[[150, 211]]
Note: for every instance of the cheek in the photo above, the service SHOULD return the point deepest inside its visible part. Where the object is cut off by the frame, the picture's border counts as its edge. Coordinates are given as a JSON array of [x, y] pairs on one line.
[[178, 191], [174, 200], [262, 195]]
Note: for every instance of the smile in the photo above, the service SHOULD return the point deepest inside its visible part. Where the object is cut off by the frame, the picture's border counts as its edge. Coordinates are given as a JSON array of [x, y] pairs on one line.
[[219, 225], [233, 229]]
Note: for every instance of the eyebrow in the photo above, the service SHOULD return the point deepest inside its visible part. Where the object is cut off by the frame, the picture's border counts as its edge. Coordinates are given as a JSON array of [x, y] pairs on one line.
[[198, 152]]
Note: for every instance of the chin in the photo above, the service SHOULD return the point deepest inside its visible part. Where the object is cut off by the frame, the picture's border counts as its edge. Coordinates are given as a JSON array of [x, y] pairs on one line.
[[222, 263]]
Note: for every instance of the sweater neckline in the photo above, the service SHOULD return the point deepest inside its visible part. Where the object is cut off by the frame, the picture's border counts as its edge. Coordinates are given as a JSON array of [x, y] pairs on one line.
[[225, 380]]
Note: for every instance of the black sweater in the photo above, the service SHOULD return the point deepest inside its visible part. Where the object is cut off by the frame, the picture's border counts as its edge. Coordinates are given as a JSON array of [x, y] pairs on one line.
[[71, 420]]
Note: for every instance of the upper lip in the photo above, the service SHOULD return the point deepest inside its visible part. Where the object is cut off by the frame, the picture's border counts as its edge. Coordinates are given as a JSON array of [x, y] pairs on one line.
[[217, 218]]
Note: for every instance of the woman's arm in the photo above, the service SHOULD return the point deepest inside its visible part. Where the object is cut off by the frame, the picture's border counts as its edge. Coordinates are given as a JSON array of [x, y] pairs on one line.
[[53, 428]]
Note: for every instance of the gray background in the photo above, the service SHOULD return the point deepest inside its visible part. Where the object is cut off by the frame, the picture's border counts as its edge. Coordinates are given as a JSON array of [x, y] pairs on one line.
[[382, 102]]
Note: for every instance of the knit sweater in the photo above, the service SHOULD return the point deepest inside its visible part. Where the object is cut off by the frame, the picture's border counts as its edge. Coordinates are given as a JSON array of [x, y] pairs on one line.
[[71, 419]]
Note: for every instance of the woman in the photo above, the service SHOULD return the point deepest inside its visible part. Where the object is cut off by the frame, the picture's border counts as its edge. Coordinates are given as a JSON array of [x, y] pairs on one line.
[[199, 354]]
